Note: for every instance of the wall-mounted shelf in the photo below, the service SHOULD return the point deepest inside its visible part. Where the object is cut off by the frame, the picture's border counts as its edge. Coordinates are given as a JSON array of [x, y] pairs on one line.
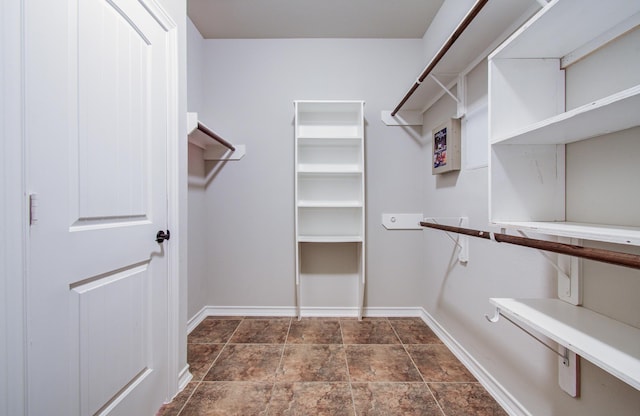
[[547, 137], [214, 146], [607, 343], [492, 24]]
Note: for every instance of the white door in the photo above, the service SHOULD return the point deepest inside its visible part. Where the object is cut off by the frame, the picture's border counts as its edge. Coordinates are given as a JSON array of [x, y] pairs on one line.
[[97, 101]]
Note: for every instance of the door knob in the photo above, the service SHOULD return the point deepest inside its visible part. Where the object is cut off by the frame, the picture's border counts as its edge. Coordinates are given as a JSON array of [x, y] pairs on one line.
[[161, 236]]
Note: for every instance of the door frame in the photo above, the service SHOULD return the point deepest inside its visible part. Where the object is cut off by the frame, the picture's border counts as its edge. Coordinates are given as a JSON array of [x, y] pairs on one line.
[[14, 212]]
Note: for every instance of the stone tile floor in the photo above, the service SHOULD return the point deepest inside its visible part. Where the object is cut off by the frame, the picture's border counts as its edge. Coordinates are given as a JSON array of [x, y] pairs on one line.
[[325, 366]]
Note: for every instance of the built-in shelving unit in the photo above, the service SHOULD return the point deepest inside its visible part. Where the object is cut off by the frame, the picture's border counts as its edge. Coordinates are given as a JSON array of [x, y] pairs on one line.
[[529, 123], [609, 344], [329, 183], [548, 134]]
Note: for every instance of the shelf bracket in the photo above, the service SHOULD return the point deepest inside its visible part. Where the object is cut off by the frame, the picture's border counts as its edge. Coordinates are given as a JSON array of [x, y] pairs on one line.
[[569, 270], [496, 317], [462, 242], [568, 361]]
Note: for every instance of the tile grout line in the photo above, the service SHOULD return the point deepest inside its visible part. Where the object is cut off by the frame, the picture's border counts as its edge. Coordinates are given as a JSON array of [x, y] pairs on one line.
[[404, 346], [199, 382], [275, 375], [346, 361]]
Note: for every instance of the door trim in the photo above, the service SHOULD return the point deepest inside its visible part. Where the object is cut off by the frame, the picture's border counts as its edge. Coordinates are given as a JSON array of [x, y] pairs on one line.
[[13, 213]]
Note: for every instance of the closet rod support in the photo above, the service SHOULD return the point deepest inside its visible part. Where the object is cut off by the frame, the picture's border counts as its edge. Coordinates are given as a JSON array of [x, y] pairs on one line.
[[444, 87], [496, 317]]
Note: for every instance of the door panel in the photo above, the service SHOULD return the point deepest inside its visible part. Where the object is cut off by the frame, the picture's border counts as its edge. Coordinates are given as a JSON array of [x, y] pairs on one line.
[[96, 104], [115, 72], [112, 315]]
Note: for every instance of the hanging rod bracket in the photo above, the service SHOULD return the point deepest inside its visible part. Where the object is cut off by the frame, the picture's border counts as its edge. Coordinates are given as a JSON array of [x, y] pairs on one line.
[[496, 317]]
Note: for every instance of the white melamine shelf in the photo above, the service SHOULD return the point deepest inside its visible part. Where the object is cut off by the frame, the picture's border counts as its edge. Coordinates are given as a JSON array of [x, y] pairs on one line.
[[607, 343], [613, 113], [329, 204], [328, 168], [599, 232], [330, 140], [329, 239], [562, 27]]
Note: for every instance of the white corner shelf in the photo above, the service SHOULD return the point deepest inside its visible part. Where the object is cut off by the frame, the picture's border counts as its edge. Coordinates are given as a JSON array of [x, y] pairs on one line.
[[607, 343]]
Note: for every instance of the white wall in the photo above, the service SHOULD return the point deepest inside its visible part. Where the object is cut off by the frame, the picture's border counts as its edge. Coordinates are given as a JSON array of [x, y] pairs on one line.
[[198, 287], [249, 88], [456, 295]]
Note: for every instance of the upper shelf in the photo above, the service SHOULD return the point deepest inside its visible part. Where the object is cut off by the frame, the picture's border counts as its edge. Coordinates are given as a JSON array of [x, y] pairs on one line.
[[609, 344], [491, 26], [538, 38], [215, 147]]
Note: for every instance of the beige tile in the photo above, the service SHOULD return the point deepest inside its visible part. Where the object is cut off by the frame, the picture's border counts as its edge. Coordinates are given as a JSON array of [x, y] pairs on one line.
[[313, 363], [414, 331], [436, 363], [394, 399], [315, 331], [213, 331], [320, 399], [261, 331], [229, 399], [369, 331], [239, 362], [458, 399], [380, 363]]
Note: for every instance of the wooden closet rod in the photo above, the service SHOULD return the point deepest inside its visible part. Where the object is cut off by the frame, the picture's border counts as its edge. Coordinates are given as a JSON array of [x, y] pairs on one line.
[[598, 254], [442, 52], [215, 137]]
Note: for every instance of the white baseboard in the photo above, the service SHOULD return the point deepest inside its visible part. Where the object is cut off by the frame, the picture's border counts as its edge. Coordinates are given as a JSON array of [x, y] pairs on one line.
[[499, 393], [305, 311], [184, 378]]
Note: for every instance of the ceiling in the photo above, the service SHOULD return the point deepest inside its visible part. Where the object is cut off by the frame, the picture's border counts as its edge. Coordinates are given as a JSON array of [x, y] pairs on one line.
[[259, 19]]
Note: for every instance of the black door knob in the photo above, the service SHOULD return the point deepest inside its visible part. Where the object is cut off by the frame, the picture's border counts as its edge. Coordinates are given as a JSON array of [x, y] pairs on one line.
[[161, 236]]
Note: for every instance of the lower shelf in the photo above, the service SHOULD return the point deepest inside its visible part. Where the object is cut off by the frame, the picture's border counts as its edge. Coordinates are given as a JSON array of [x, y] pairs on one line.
[[609, 344], [329, 239], [597, 232]]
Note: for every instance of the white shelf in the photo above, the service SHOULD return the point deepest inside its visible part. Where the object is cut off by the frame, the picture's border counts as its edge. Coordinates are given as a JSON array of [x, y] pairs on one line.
[[328, 168], [613, 113], [330, 239], [329, 204], [599, 232], [563, 26], [609, 344]]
